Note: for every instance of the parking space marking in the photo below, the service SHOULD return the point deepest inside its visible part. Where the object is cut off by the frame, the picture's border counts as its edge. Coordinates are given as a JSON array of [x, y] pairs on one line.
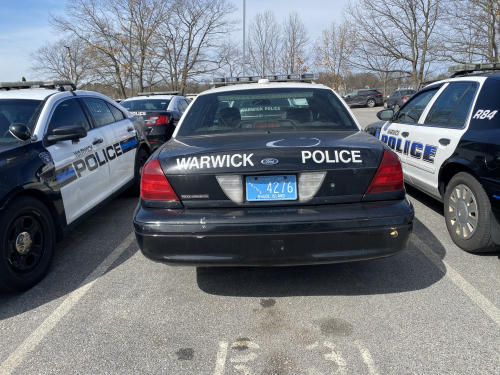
[[15, 359], [335, 356], [221, 358], [484, 303], [367, 357]]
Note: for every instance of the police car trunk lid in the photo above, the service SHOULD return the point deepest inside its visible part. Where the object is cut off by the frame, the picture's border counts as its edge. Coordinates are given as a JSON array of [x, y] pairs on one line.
[[350, 160]]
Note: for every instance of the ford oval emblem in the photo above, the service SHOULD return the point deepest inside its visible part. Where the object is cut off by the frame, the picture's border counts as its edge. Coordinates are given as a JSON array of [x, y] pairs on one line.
[[269, 161]]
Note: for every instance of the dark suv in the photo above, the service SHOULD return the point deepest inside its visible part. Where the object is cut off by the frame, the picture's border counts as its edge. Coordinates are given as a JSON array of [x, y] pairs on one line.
[[368, 97]]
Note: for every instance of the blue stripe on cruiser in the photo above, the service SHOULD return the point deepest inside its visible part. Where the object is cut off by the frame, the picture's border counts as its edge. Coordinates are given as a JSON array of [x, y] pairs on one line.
[[129, 144], [65, 175], [496, 196]]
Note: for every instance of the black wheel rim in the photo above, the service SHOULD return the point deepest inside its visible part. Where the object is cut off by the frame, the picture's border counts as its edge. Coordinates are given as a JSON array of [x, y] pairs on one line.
[[25, 243], [142, 161]]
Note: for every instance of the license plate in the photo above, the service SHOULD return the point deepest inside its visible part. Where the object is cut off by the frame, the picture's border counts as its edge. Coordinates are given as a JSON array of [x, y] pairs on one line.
[[271, 188]]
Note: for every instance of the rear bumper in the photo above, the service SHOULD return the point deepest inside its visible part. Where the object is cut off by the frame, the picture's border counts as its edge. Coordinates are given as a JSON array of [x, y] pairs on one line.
[[269, 237]]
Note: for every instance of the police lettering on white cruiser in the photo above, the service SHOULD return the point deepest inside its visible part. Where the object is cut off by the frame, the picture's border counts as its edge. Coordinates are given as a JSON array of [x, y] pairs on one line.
[[215, 161], [342, 156]]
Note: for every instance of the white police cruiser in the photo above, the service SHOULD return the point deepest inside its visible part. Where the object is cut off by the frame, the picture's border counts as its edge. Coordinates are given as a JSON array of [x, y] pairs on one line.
[[63, 155], [293, 182], [447, 137]]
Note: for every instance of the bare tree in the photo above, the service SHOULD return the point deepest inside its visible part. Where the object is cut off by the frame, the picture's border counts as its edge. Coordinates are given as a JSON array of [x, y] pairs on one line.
[[139, 21], [231, 57], [472, 31], [190, 38], [403, 30], [332, 52], [264, 43], [295, 41], [51, 60], [118, 33]]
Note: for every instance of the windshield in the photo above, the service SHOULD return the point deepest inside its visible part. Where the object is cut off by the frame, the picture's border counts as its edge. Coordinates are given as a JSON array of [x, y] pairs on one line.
[[17, 111], [264, 110], [146, 104]]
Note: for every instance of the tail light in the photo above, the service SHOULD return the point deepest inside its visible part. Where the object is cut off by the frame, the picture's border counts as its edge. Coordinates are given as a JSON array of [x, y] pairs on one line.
[[404, 98], [389, 176], [379, 94], [154, 184], [157, 120]]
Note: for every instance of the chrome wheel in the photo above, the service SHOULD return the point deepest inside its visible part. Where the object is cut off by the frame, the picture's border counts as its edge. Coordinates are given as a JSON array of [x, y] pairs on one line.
[[462, 207], [370, 103], [385, 105]]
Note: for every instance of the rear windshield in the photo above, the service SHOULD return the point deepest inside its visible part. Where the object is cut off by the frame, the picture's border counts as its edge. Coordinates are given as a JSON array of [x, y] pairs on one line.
[[17, 111], [146, 104], [264, 110]]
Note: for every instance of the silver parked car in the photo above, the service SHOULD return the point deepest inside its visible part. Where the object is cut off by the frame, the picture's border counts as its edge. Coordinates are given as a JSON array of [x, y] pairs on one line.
[[398, 97]]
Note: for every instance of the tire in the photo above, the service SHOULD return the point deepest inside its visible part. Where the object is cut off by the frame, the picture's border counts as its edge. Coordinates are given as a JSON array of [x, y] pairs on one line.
[[371, 103], [386, 105], [141, 158], [22, 268], [467, 211]]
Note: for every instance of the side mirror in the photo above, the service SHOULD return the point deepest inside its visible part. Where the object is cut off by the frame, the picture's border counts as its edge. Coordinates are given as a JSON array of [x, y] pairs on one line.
[[20, 131], [395, 107], [385, 115], [67, 133]]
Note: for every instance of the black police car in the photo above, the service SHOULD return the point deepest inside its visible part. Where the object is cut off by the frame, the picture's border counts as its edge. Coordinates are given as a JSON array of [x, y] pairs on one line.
[[161, 112], [63, 155], [308, 187], [448, 139]]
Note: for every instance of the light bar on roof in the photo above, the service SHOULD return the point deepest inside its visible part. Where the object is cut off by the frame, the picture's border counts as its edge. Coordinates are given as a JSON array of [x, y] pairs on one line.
[[158, 93], [306, 77], [464, 68], [36, 84]]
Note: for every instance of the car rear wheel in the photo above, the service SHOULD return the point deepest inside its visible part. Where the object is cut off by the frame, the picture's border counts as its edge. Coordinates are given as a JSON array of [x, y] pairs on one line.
[[142, 157], [27, 236], [467, 212], [370, 103], [386, 105]]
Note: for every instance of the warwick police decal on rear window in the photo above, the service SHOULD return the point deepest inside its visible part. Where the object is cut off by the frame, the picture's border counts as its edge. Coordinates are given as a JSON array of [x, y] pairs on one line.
[[416, 150], [91, 162]]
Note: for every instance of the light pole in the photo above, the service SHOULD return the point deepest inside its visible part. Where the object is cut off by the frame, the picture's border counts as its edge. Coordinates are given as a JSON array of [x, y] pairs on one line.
[[70, 69], [244, 19]]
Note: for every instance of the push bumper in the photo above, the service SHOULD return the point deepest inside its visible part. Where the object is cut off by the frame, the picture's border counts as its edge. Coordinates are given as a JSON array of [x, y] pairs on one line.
[[274, 237]]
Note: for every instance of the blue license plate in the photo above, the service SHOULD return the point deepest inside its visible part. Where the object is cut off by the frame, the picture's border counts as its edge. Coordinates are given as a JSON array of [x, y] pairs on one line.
[[271, 188]]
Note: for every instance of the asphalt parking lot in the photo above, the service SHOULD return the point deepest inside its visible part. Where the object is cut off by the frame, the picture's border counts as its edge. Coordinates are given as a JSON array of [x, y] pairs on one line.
[[104, 308]]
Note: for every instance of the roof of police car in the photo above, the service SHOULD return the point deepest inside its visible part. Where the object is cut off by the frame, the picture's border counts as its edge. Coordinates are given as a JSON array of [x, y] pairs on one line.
[[36, 94], [271, 85], [41, 94]]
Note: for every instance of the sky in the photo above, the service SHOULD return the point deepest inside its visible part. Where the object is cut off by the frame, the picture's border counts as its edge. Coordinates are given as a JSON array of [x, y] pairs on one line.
[[25, 27]]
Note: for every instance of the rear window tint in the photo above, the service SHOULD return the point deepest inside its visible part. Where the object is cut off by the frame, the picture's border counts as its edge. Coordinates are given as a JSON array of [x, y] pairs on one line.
[[452, 106], [101, 112], [264, 110], [146, 104]]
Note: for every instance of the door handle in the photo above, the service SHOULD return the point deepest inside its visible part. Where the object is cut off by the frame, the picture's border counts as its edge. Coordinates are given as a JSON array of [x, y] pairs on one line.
[[405, 134], [444, 141], [97, 141], [130, 129]]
